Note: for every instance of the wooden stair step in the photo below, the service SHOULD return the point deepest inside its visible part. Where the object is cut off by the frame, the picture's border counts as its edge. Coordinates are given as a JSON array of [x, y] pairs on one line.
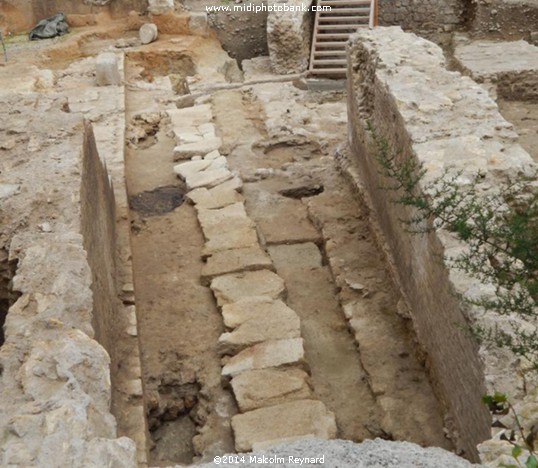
[[323, 53]]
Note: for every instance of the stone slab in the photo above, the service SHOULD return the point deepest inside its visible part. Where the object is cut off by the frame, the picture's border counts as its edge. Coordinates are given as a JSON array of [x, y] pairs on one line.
[[267, 387], [235, 260], [218, 221], [279, 323], [190, 168], [190, 116], [196, 148], [208, 178], [236, 238], [301, 418], [216, 197], [254, 308], [231, 288], [267, 354]]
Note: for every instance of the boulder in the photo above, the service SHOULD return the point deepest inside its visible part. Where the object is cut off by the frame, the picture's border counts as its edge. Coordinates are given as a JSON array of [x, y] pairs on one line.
[[160, 7], [148, 33]]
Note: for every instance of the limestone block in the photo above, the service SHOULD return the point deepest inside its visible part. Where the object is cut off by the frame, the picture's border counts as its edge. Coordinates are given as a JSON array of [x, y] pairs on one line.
[[267, 354], [216, 197], [198, 24], [120, 453], [204, 146], [209, 178], [238, 238], [215, 222], [268, 387], [107, 69], [254, 308], [295, 419], [234, 260], [282, 323], [232, 288], [148, 33], [288, 38], [190, 116], [187, 169], [160, 7]]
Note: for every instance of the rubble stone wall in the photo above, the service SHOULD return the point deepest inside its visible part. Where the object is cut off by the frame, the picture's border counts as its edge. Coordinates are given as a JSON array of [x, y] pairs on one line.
[[507, 20], [425, 15], [399, 84]]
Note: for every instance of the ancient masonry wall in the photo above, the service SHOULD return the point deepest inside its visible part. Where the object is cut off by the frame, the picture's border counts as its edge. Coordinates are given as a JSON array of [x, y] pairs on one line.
[[399, 84], [98, 220], [55, 382], [428, 15]]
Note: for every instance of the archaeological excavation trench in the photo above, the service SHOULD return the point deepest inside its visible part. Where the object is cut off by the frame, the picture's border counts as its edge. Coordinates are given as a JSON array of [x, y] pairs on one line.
[[314, 234], [197, 257]]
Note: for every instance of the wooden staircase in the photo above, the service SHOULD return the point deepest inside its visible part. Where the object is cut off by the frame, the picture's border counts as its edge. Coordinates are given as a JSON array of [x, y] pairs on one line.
[[331, 33]]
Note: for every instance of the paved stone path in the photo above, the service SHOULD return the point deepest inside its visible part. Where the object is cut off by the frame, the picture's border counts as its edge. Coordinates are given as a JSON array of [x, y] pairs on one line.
[[263, 351]]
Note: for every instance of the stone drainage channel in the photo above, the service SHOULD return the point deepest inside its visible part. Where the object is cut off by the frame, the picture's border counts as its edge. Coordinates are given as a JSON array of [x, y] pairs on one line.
[[265, 310]]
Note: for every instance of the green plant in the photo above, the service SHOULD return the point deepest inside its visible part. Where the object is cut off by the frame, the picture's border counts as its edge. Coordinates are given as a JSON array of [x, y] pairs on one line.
[[500, 231], [498, 404]]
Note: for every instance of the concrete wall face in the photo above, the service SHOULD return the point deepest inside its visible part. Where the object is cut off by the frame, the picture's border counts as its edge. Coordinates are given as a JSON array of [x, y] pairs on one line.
[[421, 15], [441, 119]]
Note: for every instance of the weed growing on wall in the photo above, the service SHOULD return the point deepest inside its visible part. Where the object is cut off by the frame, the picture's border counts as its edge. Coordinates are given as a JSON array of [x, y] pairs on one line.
[[499, 229], [523, 450]]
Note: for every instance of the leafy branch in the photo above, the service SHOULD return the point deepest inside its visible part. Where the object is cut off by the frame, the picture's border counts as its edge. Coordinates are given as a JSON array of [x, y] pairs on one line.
[[498, 404], [499, 228]]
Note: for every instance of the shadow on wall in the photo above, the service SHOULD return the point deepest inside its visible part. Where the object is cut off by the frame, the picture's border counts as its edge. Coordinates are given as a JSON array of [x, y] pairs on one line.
[[98, 223]]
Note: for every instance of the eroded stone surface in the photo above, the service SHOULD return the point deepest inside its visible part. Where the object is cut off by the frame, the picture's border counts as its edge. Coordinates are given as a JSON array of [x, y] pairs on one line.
[[288, 38], [231, 288], [106, 69], [253, 308], [217, 197], [235, 260], [196, 148], [295, 419], [279, 323], [268, 354], [268, 387]]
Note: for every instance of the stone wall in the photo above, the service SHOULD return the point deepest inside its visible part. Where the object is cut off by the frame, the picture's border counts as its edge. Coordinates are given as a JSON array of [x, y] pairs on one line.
[[98, 220], [398, 82], [516, 19], [426, 15]]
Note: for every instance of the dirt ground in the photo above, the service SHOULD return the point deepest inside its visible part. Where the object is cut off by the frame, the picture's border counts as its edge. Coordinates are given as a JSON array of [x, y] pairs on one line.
[[524, 116]]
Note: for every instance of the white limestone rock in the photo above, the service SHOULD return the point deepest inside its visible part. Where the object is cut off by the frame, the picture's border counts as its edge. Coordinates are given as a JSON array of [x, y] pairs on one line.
[[291, 420], [148, 33], [288, 38], [107, 69], [273, 353], [232, 288]]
